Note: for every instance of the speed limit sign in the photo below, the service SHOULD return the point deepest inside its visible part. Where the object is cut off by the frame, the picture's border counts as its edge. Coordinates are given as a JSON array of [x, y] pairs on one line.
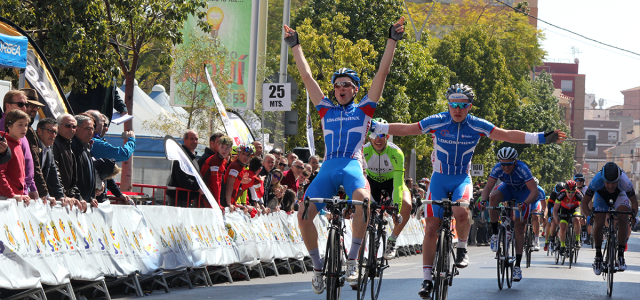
[[276, 96]]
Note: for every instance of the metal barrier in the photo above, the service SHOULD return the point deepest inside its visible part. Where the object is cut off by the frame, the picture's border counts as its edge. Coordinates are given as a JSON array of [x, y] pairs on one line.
[[200, 201]]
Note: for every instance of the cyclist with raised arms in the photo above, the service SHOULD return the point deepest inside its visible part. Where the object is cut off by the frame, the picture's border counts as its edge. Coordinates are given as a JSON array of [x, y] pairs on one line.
[[611, 183], [517, 183], [552, 223], [344, 126], [455, 136], [385, 172], [568, 204]]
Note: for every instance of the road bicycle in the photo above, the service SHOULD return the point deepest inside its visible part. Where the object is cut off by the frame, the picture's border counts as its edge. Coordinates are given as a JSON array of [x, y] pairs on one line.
[[529, 237], [610, 255], [505, 254], [332, 269], [370, 266], [444, 268], [571, 248]]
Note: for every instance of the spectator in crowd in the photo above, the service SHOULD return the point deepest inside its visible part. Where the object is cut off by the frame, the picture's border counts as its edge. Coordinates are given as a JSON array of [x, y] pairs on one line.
[[81, 145], [211, 150], [234, 176], [214, 167], [47, 132], [268, 167], [426, 182], [303, 181], [103, 149], [277, 152], [314, 162], [276, 190], [105, 170], [291, 176], [234, 154], [5, 152], [283, 164], [409, 182], [18, 100], [12, 174], [180, 179], [291, 157], [64, 157], [256, 185], [307, 167], [288, 201], [32, 111], [258, 146]]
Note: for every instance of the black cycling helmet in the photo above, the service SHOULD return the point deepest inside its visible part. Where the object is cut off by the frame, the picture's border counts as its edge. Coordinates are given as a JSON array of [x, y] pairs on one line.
[[460, 91], [611, 172], [345, 72], [578, 177], [559, 187]]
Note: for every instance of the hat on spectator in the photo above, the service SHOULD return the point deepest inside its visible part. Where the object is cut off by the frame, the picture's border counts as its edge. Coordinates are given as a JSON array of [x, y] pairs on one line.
[[275, 150], [32, 97]]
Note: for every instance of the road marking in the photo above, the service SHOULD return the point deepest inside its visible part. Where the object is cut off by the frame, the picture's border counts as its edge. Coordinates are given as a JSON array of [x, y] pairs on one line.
[[286, 294]]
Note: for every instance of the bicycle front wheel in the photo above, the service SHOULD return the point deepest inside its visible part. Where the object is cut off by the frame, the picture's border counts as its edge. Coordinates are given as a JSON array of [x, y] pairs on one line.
[[334, 266], [570, 244], [378, 265], [363, 265], [611, 262], [528, 244], [510, 258], [441, 284], [501, 256]]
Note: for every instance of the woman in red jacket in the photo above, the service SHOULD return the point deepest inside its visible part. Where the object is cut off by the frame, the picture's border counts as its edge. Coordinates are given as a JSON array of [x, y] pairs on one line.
[[12, 184]]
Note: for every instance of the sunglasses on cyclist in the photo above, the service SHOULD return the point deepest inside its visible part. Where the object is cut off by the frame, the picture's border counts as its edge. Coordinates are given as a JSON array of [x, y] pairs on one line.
[[507, 164], [580, 180], [346, 84], [382, 136], [570, 191], [459, 104]]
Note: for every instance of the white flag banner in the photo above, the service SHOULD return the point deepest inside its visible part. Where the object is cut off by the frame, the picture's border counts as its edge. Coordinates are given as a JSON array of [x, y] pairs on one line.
[[310, 140], [228, 126]]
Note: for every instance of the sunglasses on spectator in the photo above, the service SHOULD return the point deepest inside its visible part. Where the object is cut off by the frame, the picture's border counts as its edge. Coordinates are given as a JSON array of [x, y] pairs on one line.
[[459, 104], [69, 125], [282, 164], [346, 84], [276, 176], [299, 167], [507, 164], [51, 131], [21, 104]]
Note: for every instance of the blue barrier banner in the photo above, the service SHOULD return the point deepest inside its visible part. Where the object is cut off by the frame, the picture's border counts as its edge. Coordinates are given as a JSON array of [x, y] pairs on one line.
[[13, 51]]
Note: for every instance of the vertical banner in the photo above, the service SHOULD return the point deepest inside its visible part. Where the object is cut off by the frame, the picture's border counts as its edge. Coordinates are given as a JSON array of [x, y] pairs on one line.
[[243, 132], [235, 25], [310, 141], [228, 126]]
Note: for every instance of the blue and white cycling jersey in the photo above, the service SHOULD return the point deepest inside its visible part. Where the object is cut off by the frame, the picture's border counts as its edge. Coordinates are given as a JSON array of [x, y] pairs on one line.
[[453, 143], [597, 186], [541, 195], [517, 180], [345, 127]]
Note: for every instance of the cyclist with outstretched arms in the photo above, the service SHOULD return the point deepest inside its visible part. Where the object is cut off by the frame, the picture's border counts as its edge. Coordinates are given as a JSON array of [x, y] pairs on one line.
[[611, 183], [455, 136], [344, 126], [517, 183], [568, 204], [385, 172]]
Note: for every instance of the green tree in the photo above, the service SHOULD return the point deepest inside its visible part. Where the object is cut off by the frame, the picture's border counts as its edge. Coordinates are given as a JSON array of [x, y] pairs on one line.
[[132, 26]]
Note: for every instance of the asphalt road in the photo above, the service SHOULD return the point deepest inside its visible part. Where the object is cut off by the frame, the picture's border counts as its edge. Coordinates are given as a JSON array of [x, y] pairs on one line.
[[543, 280]]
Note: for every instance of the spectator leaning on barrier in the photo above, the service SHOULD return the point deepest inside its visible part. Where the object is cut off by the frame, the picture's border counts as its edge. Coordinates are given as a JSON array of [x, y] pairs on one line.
[[234, 176], [12, 174], [105, 170], [268, 165], [18, 100], [254, 186], [32, 138], [258, 146], [214, 168], [85, 170], [47, 132], [211, 150], [64, 157], [276, 190], [180, 179], [291, 176]]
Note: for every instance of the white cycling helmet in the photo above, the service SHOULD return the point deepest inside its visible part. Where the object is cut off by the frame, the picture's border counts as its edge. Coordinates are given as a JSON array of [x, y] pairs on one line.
[[507, 153]]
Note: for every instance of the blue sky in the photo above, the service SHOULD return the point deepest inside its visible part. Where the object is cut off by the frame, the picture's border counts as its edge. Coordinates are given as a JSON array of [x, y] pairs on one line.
[[608, 71]]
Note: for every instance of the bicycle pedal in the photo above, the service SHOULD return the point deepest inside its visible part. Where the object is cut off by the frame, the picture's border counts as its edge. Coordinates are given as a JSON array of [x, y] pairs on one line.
[[456, 273]]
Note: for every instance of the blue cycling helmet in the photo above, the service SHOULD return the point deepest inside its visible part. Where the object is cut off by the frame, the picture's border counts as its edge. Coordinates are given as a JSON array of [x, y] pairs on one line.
[[345, 72], [460, 91]]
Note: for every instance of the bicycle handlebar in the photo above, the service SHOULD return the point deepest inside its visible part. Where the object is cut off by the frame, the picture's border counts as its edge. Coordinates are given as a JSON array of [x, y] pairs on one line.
[[334, 201], [392, 209], [447, 201]]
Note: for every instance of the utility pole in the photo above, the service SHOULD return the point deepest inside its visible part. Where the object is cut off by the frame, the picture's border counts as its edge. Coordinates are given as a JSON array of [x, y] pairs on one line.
[[284, 61]]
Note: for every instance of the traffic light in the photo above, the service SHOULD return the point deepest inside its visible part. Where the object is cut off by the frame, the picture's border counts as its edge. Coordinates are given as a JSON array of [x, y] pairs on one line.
[[591, 145]]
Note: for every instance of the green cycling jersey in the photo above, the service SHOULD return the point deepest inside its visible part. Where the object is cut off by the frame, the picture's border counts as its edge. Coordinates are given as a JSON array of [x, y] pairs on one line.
[[385, 171]]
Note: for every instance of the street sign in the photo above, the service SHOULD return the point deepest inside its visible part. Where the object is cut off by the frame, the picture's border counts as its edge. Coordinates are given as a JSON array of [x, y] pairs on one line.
[[477, 170], [276, 96]]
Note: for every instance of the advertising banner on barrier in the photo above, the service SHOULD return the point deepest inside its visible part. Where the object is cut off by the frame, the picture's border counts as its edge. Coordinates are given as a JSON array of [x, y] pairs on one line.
[[162, 221], [240, 233], [138, 242], [263, 238]]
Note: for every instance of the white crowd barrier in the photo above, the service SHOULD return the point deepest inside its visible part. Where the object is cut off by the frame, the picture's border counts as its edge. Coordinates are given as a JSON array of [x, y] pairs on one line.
[[48, 245]]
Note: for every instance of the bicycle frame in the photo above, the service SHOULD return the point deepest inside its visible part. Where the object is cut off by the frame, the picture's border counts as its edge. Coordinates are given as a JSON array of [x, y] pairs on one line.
[[506, 245]]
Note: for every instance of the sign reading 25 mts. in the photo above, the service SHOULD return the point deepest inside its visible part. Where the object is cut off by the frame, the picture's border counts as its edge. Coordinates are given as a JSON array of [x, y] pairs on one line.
[[276, 96]]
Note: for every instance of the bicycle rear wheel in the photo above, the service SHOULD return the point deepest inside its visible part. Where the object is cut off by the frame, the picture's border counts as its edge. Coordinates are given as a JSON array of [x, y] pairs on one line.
[[570, 244], [363, 265], [441, 283], [528, 243], [611, 262], [501, 256], [334, 267], [378, 265]]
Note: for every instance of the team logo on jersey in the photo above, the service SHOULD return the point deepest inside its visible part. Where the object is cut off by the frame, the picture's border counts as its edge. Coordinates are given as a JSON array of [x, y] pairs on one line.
[[386, 163], [444, 132]]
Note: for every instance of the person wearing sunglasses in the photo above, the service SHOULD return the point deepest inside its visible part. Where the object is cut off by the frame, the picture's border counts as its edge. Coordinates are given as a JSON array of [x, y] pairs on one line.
[[568, 204], [518, 183], [552, 223], [65, 158], [292, 176], [385, 171], [235, 175], [344, 128], [455, 136], [582, 186], [610, 184]]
